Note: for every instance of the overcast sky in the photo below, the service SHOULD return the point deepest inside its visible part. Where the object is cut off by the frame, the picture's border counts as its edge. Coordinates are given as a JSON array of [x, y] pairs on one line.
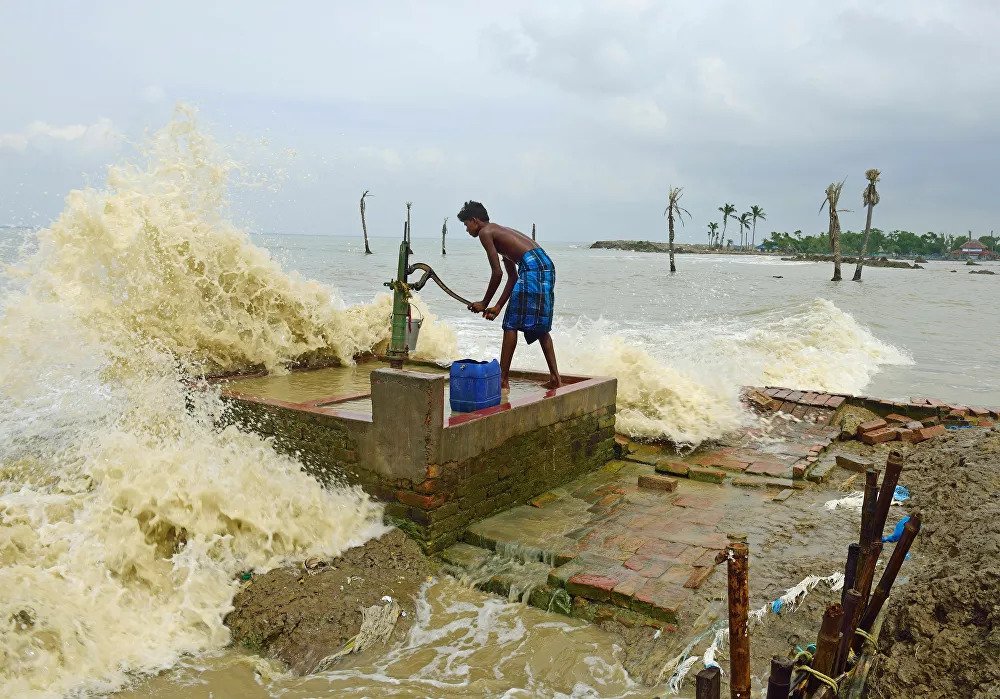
[[575, 115]]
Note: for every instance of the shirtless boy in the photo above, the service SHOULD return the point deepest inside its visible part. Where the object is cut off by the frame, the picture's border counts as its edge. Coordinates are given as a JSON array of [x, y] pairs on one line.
[[531, 279]]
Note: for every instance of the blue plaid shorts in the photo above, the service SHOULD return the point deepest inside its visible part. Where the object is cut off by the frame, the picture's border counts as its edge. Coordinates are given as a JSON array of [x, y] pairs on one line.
[[531, 300]]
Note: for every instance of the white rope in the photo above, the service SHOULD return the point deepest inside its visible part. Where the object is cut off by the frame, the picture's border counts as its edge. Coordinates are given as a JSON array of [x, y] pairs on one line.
[[792, 597]]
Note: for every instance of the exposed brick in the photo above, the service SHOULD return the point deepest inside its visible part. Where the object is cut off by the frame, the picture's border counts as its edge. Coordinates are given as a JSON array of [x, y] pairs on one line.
[[933, 431], [623, 592], [543, 499], [835, 401], [658, 483], [595, 586], [783, 495], [854, 463], [768, 468], [674, 468], [872, 425], [708, 475], [695, 501], [878, 436], [799, 468], [782, 393], [918, 400], [661, 549], [651, 567], [424, 502], [794, 397], [912, 436], [979, 412], [660, 600], [898, 419], [931, 421], [698, 576]]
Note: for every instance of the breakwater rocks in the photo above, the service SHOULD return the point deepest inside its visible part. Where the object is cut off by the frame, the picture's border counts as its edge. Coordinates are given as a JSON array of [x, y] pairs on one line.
[[873, 262], [654, 246]]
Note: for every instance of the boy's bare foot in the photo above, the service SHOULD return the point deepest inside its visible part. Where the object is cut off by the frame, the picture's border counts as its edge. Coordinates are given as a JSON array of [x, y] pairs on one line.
[[555, 382]]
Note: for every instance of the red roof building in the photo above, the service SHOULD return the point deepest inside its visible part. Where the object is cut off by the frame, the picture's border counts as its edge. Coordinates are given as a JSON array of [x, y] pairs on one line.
[[973, 250]]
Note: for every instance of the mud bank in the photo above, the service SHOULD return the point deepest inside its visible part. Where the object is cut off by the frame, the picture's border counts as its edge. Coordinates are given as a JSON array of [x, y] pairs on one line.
[[305, 613], [942, 632], [871, 262]]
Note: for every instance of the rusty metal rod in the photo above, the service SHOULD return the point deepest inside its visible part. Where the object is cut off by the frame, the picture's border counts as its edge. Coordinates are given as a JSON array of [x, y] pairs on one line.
[[868, 506], [851, 569], [739, 607], [827, 643], [780, 682], [852, 600], [708, 684], [893, 467], [885, 583]]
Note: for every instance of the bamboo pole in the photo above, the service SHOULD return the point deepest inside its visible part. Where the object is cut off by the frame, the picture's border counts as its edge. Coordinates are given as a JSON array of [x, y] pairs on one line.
[[851, 569], [708, 683], [852, 600], [885, 583], [893, 467], [866, 572], [739, 608], [780, 681], [827, 643], [868, 506]]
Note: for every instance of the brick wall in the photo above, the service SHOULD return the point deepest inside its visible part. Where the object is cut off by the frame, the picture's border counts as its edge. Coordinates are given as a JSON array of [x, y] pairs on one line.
[[436, 480], [437, 510]]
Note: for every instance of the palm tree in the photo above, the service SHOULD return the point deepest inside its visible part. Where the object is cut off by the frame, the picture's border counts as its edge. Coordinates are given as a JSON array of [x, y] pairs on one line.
[[444, 232], [364, 226], [757, 213], [727, 211], [869, 198], [830, 202], [674, 207], [713, 231], [744, 221]]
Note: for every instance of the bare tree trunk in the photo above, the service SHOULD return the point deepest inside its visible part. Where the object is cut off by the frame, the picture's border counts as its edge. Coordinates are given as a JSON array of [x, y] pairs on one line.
[[444, 232], [409, 233], [364, 225], [835, 245], [670, 225], [864, 245], [532, 232], [753, 241]]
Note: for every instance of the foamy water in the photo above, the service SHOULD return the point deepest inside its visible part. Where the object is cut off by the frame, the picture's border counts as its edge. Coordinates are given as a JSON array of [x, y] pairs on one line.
[[126, 513]]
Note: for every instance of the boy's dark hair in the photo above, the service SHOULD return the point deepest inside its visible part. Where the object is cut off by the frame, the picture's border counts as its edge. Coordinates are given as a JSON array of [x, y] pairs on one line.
[[473, 209]]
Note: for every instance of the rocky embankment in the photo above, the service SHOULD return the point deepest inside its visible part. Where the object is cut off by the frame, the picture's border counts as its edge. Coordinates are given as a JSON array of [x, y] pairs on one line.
[[873, 262], [654, 246]]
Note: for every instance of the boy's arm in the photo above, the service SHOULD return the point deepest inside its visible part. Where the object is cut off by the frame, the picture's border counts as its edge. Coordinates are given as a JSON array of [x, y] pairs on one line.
[[493, 312], [486, 238]]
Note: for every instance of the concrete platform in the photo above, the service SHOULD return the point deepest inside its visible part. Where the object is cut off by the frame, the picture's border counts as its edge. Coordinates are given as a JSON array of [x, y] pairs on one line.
[[436, 471]]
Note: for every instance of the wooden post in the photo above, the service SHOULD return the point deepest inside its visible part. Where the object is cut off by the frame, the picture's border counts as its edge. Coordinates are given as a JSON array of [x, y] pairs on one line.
[[893, 467], [851, 569], [847, 625], [738, 554], [444, 232], [708, 684], [885, 583], [780, 681], [532, 231], [827, 644], [868, 506]]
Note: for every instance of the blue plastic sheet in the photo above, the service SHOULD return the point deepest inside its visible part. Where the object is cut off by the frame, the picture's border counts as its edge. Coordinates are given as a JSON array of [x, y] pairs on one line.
[[897, 532], [900, 494]]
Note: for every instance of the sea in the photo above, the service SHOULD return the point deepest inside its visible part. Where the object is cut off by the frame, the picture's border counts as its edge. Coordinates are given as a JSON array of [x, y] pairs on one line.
[[127, 514]]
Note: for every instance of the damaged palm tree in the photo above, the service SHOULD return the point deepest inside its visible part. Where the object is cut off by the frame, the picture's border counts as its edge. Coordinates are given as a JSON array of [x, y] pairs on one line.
[[831, 202], [870, 199], [364, 225], [674, 209], [444, 233]]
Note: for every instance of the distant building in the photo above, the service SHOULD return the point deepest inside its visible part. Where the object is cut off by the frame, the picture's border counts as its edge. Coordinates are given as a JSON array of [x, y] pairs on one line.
[[973, 250]]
